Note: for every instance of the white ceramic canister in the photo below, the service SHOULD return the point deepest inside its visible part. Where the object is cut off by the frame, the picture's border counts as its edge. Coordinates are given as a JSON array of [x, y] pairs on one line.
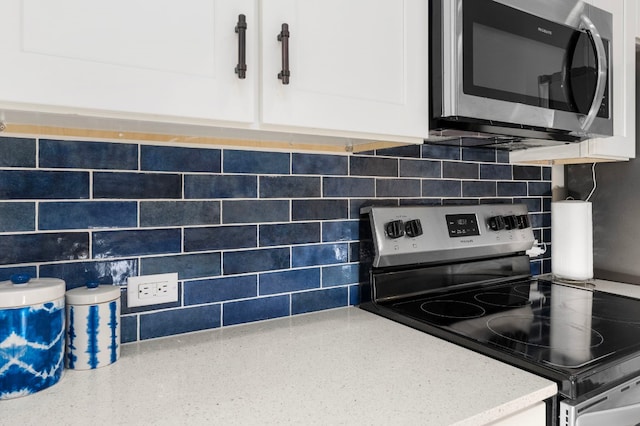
[[93, 326], [31, 335]]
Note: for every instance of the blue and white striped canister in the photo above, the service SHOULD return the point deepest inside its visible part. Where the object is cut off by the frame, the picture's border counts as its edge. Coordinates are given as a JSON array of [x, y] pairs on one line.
[[31, 335], [93, 326]]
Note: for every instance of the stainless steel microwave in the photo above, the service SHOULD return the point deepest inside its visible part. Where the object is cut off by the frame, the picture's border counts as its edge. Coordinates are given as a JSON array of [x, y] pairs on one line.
[[536, 69]]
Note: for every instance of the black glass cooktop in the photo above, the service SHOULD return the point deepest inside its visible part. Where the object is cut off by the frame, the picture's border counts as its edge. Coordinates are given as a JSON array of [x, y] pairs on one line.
[[580, 337]]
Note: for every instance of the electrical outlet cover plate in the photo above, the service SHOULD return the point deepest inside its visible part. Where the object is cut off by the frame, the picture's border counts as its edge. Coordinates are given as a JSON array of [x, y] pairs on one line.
[[152, 289]]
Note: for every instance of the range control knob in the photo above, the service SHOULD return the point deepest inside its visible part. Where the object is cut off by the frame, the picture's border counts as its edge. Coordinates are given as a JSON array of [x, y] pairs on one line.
[[413, 228], [523, 221], [496, 223], [511, 222], [394, 229]]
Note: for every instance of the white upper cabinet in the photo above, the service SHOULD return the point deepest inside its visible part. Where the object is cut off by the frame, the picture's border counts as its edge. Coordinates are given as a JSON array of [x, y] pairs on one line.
[[622, 145], [357, 65], [166, 57]]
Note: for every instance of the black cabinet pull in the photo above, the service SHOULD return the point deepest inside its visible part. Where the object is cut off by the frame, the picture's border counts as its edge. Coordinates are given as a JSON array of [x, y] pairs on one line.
[[283, 37], [241, 30]]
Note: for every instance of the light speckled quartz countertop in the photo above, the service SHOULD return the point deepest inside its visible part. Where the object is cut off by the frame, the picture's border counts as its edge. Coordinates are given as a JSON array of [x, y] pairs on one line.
[[344, 366]]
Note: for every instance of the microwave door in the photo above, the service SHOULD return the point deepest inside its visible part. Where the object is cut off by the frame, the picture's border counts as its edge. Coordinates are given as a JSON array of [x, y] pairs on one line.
[[587, 77]]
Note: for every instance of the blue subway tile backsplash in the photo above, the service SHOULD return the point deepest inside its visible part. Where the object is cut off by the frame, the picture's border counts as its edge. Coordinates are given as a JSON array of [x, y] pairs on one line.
[[16, 217], [43, 185], [87, 214], [176, 159], [18, 152], [136, 185], [252, 234], [87, 155]]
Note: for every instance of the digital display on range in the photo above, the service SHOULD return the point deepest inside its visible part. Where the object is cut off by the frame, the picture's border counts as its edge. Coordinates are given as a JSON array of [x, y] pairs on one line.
[[462, 225]]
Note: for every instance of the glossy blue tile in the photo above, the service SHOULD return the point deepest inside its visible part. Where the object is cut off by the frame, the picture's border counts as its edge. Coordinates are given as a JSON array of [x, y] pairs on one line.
[[240, 262], [495, 172], [372, 166], [17, 152], [255, 310], [514, 189], [540, 220], [179, 213], [220, 238], [220, 289], [319, 209], [136, 185], [533, 204], [340, 275], [405, 151], [502, 156], [115, 272], [540, 188], [31, 248], [289, 281], [256, 162], [546, 173], [354, 295], [465, 202], [348, 187], [322, 254], [320, 164], [318, 300], [87, 155], [527, 173], [354, 252], [340, 231], [444, 152], [185, 320], [289, 233], [460, 170], [289, 187], [536, 267], [478, 189], [87, 214], [188, 266], [223, 186], [479, 154], [5, 273], [255, 211], [420, 168], [31, 184], [398, 188], [441, 188], [128, 329], [16, 217], [178, 159], [111, 244]]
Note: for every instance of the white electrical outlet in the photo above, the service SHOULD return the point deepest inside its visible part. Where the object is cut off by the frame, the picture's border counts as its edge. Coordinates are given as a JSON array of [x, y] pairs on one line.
[[152, 289]]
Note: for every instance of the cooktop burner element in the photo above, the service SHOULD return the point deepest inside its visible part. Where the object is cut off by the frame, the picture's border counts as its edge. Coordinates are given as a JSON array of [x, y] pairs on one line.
[[452, 309], [502, 299]]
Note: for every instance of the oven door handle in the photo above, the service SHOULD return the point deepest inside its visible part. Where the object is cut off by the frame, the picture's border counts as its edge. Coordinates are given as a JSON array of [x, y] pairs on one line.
[[601, 57], [627, 415]]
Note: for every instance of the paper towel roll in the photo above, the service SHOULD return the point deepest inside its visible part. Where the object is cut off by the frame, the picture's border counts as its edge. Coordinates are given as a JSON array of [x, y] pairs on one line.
[[572, 240]]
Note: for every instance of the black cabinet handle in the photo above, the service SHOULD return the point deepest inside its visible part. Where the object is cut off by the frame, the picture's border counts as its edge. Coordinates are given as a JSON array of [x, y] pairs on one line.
[[283, 37], [241, 30]]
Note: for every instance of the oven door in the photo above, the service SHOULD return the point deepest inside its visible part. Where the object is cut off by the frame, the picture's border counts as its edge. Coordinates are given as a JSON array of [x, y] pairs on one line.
[[619, 406], [514, 65]]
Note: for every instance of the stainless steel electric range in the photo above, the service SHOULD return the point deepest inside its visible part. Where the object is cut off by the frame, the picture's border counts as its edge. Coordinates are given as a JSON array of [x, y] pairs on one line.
[[461, 273]]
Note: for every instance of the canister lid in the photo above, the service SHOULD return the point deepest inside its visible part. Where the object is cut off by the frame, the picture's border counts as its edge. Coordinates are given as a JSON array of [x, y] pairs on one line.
[[30, 292], [93, 294]]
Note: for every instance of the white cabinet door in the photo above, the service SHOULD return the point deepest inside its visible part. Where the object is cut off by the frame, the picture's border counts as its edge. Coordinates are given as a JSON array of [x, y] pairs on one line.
[[109, 58], [357, 66]]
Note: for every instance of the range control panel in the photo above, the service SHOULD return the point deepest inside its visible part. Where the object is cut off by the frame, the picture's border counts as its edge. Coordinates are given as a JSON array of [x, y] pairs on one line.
[[422, 234]]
